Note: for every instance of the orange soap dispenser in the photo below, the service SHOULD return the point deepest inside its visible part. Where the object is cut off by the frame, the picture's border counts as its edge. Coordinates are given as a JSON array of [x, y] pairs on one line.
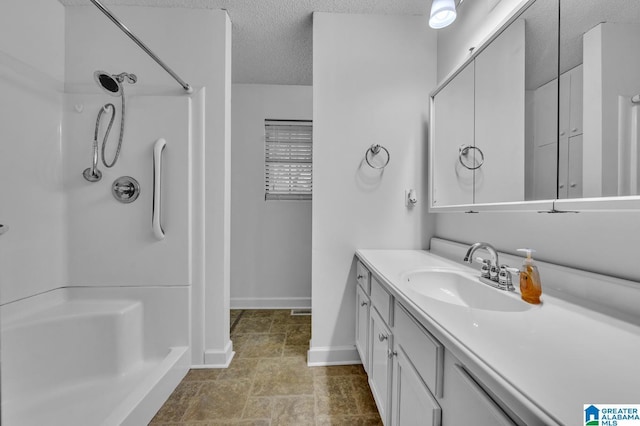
[[530, 287]]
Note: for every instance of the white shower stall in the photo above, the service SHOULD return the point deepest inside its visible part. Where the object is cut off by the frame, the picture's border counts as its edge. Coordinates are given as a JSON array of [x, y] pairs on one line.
[[100, 317]]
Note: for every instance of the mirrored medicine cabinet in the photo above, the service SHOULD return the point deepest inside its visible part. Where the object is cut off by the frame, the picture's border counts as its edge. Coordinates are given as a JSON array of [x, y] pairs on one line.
[[544, 115]]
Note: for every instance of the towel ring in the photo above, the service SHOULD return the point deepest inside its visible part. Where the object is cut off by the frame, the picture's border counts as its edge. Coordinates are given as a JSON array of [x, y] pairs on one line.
[[375, 150], [464, 150]]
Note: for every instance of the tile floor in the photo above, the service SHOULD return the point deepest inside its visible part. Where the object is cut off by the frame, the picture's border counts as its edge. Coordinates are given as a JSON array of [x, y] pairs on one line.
[[268, 382]]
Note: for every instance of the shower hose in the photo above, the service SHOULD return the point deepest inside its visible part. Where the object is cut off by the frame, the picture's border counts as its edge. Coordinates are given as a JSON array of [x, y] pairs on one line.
[[106, 134]]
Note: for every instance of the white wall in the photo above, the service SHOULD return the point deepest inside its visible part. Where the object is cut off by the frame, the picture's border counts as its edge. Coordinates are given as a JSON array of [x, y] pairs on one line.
[[476, 20], [32, 255], [601, 242], [196, 43], [270, 240], [371, 80]]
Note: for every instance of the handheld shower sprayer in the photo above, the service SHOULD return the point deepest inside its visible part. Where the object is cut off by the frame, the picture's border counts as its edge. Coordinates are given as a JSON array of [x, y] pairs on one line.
[[92, 174], [112, 84]]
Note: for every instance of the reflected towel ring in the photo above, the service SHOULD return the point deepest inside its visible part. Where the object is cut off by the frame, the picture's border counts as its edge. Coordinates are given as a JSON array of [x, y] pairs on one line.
[[464, 150], [375, 150]]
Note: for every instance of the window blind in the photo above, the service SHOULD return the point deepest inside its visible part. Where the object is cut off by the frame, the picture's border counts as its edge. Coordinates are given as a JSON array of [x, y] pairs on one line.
[[288, 160]]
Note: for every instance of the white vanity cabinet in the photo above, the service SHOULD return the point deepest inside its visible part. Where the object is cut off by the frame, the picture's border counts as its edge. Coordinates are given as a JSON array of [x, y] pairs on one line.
[[363, 303], [380, 348], [465, 402], [417, 373], [415, 380], [362, 327], [412, 403], [380, 363]]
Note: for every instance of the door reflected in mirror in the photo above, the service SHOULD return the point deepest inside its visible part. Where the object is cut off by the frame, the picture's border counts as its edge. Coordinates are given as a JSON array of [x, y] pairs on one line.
[[601, 39]]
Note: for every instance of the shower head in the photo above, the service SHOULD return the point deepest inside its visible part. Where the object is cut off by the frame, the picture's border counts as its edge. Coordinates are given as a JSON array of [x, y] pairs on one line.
[[112, 83]]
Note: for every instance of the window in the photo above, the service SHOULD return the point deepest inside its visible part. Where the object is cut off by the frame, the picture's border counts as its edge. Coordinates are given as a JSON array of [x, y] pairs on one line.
[[288, 159]]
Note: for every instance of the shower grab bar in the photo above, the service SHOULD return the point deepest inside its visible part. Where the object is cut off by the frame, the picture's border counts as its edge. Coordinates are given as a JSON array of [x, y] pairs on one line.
[[156, 222], [143, 46]]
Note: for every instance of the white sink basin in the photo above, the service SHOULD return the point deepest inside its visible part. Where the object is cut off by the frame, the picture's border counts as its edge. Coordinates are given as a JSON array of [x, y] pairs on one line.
[[461, 289]]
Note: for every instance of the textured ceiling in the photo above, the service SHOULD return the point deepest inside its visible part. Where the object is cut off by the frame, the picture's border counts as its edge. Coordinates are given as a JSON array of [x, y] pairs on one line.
[[271, 40]]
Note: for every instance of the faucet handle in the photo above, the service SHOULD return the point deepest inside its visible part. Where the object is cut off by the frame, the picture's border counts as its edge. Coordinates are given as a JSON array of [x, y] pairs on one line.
[[504, 277], [485, 269]]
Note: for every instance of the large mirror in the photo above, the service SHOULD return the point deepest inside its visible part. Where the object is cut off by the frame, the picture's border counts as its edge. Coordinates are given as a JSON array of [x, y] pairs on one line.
[[547, 109], [495, 120]]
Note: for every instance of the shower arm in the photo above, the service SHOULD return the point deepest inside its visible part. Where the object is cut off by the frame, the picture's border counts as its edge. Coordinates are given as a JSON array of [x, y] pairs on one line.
[[143, 46]]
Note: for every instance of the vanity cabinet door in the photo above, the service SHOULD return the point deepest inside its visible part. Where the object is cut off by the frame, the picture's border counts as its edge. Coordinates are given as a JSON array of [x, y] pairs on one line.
[[465, 402], [380, 345], [362, 326], [412, 404]]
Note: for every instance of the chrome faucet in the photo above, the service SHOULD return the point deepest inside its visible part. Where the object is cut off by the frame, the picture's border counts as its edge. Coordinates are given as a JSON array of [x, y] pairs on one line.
[[491, 268]]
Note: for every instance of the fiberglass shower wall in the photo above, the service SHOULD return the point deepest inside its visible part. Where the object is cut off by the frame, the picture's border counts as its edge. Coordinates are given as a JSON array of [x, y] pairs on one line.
[[196, 43], [32, 201], [111, 243]]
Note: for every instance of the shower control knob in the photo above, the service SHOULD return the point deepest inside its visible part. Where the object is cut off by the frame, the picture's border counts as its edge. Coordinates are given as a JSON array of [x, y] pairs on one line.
[[125, 189]]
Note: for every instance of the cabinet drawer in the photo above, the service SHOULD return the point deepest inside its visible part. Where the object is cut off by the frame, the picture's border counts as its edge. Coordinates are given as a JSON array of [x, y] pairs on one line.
[[363, 276], [424, 351], [381, 300]]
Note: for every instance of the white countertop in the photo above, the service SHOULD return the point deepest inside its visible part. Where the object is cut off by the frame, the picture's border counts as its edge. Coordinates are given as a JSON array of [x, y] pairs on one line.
[[557, 355]]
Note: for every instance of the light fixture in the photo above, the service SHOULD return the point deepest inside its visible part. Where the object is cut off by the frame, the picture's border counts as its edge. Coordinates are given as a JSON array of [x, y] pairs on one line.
[[443, 13]]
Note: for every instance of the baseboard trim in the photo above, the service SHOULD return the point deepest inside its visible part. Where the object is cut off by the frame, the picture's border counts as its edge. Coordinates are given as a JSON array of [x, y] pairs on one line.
[[333, 355], [217, 359], [270, 303]]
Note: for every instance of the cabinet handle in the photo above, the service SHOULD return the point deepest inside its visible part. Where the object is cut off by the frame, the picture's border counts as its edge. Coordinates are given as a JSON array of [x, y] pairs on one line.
[[363, 303], [382, 337], [392, 353], [573, 185], [359, 277], [575, 129]]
